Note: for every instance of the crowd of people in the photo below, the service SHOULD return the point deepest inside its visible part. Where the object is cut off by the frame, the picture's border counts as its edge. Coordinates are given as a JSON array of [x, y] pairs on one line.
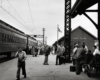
[[81, 55], [60, 52], [34, 51]]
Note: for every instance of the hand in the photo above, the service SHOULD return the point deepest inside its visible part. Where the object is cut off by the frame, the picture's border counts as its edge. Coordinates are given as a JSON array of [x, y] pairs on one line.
[[71, 58], [23, 60]]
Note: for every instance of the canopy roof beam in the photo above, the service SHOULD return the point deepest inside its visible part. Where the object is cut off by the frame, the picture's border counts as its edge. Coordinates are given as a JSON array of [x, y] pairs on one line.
[[91, 10], [91, 20]]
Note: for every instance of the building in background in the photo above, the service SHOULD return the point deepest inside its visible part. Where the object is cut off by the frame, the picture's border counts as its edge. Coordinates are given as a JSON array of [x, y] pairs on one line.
[[80, 35]]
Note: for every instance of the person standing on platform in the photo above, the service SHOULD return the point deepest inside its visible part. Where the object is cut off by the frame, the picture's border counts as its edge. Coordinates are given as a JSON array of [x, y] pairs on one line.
[[62, 54], [96, 50], [21, 62], [58, 53], [47, 52], [33, 51], [36, 51], [80, 58], [85, 47], [74, 53]]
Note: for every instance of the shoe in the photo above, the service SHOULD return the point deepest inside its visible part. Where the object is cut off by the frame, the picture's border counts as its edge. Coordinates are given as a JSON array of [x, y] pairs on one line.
[[47, 64], [77, 73], [17, 79], [24, 76], [43, 63]]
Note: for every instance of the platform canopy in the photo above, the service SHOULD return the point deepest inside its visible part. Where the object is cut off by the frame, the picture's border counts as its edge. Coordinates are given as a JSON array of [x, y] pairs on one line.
[[80, 6]]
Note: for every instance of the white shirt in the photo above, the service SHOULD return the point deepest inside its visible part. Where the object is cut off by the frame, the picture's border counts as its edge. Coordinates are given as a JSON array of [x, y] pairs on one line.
[[63, 49], [96, 51], [74, 50], [86, 49]]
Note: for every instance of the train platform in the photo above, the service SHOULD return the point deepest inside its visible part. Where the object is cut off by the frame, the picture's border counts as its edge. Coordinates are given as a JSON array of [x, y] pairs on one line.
[[37, 71]]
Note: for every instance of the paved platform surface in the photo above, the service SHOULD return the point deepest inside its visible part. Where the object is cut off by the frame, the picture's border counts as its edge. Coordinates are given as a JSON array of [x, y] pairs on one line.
[[37, 71]]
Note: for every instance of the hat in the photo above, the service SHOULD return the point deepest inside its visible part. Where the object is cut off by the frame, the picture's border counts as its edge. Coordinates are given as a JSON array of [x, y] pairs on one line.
[[76, 45], [20, 47]]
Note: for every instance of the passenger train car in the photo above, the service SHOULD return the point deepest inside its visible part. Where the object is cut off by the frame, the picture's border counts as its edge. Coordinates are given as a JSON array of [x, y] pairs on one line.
[[31, 41], [11, 38]]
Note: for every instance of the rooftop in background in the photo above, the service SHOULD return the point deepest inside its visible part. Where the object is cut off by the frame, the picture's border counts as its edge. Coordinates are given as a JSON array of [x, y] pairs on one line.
[[79, 27]]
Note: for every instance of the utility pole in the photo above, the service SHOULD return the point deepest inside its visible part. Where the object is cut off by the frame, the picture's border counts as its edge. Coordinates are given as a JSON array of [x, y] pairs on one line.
[[46, 40], [43, 35]]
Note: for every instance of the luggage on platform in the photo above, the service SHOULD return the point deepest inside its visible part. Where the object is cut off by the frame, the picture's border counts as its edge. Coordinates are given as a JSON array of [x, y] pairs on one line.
[[72, 68]]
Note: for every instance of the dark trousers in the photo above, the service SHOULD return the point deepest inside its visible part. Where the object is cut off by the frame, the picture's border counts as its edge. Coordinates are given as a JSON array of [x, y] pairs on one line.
[[73, 61], [58, 58], [46, 60], [21, 65], [62, 58], [78, 66]]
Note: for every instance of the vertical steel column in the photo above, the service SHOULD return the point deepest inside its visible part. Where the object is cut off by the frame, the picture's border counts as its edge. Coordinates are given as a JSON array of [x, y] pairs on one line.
[[99, 23], [67, 33]]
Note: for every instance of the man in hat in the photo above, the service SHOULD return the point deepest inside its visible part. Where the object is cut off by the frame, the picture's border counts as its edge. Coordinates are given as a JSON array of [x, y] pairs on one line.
[[21, 62], [46, 53], [96, 50], [58, 54], [86, 48], [80, 58], [74, 52]]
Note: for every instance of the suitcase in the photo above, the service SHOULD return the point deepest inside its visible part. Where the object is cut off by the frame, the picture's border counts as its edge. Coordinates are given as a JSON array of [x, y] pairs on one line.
[[72, 68]]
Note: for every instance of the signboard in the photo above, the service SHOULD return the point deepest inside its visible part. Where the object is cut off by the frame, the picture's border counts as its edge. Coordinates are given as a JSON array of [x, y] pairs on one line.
[[37, 36]]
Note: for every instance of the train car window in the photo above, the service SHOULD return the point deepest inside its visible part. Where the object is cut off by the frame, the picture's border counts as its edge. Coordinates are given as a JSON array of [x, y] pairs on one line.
[[0, 37], [17, 39], [4, 38], [21, 40], [7, 38], [13, 39], [10, 38]]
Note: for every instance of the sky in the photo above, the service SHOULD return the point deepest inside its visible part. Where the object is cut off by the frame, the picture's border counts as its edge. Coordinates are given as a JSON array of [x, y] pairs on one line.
[[31, 16]]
